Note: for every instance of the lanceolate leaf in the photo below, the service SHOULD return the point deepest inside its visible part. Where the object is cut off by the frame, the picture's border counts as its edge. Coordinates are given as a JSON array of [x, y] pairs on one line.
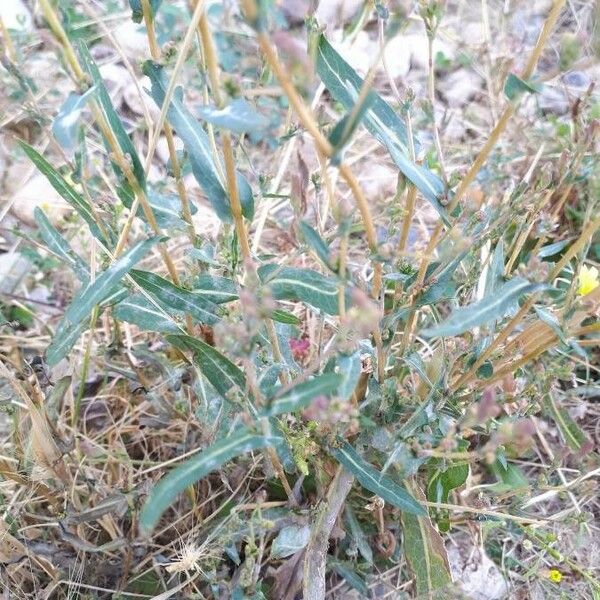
[[349, 368], [100, 289], [197, 145], [168, 488], [137, 12], [113, 119], [380, 119], [306, 285], [369, 477], [139, 311], [575, 438], [485, 310], [56, 243], [362, 543], [170, 296], [316, 242], [425, 553], [215, 289], [238, 116], [303, 394], [57, 181], [218, 369], [64, 126]]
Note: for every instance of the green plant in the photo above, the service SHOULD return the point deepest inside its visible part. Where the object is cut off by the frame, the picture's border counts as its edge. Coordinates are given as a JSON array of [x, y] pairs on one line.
[[347, 376]]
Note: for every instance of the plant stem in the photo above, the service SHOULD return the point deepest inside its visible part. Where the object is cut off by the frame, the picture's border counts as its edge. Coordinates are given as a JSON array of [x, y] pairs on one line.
[[318, 545]]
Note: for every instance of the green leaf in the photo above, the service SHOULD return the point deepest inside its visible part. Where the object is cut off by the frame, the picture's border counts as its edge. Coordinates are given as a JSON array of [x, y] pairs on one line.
[[305, 285], [425, 553], [64, 125], [553, 249], [99, 290], [550, 319], [302, 394], [575, 438], [316, 242], [112, 118], [218, 369], [57, 181], [238, 116], [166, 209], [198, 147], [515, 86], [378, 483], [56, 243], [169, 487], [290, 540], [381, 121], [442, 482], [283, 316], [215, 289], [347, 571], [137, 12], [362, 543], [171, 296], [510, 477], [495, 276], [139, 311], [489, 308]]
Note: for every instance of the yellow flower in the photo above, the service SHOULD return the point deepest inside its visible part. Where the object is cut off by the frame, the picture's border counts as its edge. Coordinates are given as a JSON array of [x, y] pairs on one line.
[[555, 575], [588, 280]]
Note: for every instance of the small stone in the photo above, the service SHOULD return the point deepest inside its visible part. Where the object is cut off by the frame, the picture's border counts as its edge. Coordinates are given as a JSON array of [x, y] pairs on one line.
[[460, 86], [552, 100], [131, 96], [38, 193], [419, 49], [15, 15], [331, 12], [577, 79], [133, 40], [115, 78]]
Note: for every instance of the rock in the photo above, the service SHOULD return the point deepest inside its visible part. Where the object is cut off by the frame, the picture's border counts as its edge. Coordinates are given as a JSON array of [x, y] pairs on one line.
[[460, 86], [132, 98], [476, 573], [162, 148], [454, 128], [295, 10], [380, 181], [37, 192], [419, 49], [116, 79], [13, 267], [398, 56], [16, 15], [577, 79], [330, 12], [133, 40], [552, 100], [360, 54], [472, 34]]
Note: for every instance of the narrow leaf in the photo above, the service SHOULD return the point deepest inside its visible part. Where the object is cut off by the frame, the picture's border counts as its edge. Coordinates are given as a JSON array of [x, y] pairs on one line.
[[198, 147], [171, 296], [217, 368], [290, 540], [169, 487], [238, 116], [316, 242], [112, 118], [348, 572], [59, 183], [57, 244], [380, 119], [305, 285], [515, 86], [64, 125], [137, 12], [378, 483], [139, 311], [99, 290], [362, 543], [485, 310], [425, 553], [302, 394], [349, 367], [215, 289]]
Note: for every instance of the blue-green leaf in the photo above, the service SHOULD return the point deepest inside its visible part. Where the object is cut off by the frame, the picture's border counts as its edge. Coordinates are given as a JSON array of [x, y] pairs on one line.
[[171, 296], [348, 572], [515, 86], [378, 483], [380, 119], [349, 367], [302, 394], [198, 147], [362, 543], [96, 292], [305, 285], [64, 126], [112, 118], [169, 487], [137, 12], [316, 242], [485, 310], [56, 243], [290, 540], [59, 183], [219, 290], [223, 375], [238, 116], [138, 310]]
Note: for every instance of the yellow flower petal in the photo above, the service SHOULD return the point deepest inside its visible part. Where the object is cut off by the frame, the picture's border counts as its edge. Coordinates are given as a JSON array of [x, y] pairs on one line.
[[555, 575], [588, 280]]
